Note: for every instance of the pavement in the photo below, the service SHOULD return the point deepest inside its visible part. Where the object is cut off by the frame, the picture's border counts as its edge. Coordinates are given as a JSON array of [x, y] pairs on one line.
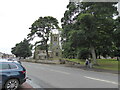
[[25, 86], [28, 85]]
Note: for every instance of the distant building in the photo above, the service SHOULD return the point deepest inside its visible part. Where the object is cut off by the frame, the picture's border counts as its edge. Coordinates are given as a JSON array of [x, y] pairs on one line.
[[40, 54], [54, 49], [1, 54]]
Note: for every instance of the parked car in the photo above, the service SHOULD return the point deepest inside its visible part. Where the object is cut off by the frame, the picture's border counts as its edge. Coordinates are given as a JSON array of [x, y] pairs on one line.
[[12, 75]]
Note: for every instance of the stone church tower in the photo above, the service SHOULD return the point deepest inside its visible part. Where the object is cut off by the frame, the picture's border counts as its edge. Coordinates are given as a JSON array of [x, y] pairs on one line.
[[55, 46], [54, 50]]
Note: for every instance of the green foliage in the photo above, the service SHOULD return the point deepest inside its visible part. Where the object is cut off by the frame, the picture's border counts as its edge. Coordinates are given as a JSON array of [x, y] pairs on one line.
[[42, 28], [69, 52], [69, 48], [87, 29], [22, 49], [83, 53], [92, 27]]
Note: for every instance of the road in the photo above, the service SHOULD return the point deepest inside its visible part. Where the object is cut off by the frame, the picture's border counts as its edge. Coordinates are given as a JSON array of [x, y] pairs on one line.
[[56, 76]]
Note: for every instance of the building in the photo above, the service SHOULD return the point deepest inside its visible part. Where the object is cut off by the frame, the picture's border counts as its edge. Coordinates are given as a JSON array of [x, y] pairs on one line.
[[54, 49], [55, 46], [1, 54], [40, 54]]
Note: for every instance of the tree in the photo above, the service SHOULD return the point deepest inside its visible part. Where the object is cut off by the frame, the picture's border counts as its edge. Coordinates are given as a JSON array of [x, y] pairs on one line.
[[92, 27], [69, 48], [116, 37], [83, 53], [22, 49], [87, 32], [42, 28]]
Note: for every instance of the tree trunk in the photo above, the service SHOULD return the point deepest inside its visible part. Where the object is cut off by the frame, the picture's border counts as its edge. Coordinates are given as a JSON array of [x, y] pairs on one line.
[[93, 55]]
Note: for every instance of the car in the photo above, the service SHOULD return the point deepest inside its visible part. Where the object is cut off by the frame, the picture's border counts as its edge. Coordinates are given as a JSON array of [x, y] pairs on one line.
[[12, 75]]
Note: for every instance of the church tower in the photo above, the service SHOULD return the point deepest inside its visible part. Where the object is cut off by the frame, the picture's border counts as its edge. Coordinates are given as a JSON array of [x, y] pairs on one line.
[[55, 46]]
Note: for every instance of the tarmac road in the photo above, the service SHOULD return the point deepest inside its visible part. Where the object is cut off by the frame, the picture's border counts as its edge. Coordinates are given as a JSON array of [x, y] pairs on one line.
[[56, 76]]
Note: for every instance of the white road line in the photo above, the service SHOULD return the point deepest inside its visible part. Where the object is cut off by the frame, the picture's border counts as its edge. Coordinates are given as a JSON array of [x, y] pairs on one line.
[[101, 80], [59, 71]]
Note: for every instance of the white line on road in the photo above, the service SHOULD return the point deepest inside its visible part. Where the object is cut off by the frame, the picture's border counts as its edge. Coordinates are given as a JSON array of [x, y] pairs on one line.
[[101, 80], [59, 71]]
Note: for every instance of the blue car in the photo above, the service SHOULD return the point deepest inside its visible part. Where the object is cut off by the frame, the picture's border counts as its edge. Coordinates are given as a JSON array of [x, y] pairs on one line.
[[12, 75]]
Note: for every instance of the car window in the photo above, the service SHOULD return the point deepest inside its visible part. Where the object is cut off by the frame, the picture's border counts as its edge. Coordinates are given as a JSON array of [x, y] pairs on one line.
[[4, 66], [0, 66], [12, 66]]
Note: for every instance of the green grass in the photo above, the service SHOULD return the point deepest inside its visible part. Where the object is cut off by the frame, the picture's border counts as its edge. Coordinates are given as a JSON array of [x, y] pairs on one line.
[[82, 62], [109, 64]]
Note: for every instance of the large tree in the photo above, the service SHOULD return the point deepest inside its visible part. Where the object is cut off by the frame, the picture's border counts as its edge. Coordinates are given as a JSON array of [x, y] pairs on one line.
[[69, 48], [97, 25], [87, 33], [116, 37], [93, 26], [22, 49], [42, 28]]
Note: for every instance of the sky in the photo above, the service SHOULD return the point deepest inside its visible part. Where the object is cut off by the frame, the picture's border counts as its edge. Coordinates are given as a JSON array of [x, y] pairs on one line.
[[119, 7], [16, 16]]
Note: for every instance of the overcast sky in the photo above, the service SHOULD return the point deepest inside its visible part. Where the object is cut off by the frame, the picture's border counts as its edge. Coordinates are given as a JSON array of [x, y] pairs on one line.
[[16, 16]]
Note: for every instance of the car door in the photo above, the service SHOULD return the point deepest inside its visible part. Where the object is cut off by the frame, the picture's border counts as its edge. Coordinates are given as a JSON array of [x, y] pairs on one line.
[[4, 67], [0, 76], [5, 71]]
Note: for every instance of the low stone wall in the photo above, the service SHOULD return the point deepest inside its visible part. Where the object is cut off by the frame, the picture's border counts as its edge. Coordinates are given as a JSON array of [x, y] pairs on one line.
[[61, 61], [42, 61], [47, 61], [27, 60]]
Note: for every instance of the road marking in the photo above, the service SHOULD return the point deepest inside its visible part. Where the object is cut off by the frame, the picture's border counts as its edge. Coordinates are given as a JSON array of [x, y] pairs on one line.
[[59, 71], [101, 80]]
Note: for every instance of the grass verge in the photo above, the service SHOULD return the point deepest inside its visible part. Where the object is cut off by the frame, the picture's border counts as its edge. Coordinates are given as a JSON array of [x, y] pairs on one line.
[[108, 64]]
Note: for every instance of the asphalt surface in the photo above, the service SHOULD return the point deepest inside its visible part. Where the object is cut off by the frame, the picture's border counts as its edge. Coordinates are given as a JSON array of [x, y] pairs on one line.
[[55, 76]]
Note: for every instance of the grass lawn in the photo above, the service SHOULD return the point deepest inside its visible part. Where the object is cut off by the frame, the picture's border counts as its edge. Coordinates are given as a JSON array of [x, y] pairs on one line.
[[109, 64]]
